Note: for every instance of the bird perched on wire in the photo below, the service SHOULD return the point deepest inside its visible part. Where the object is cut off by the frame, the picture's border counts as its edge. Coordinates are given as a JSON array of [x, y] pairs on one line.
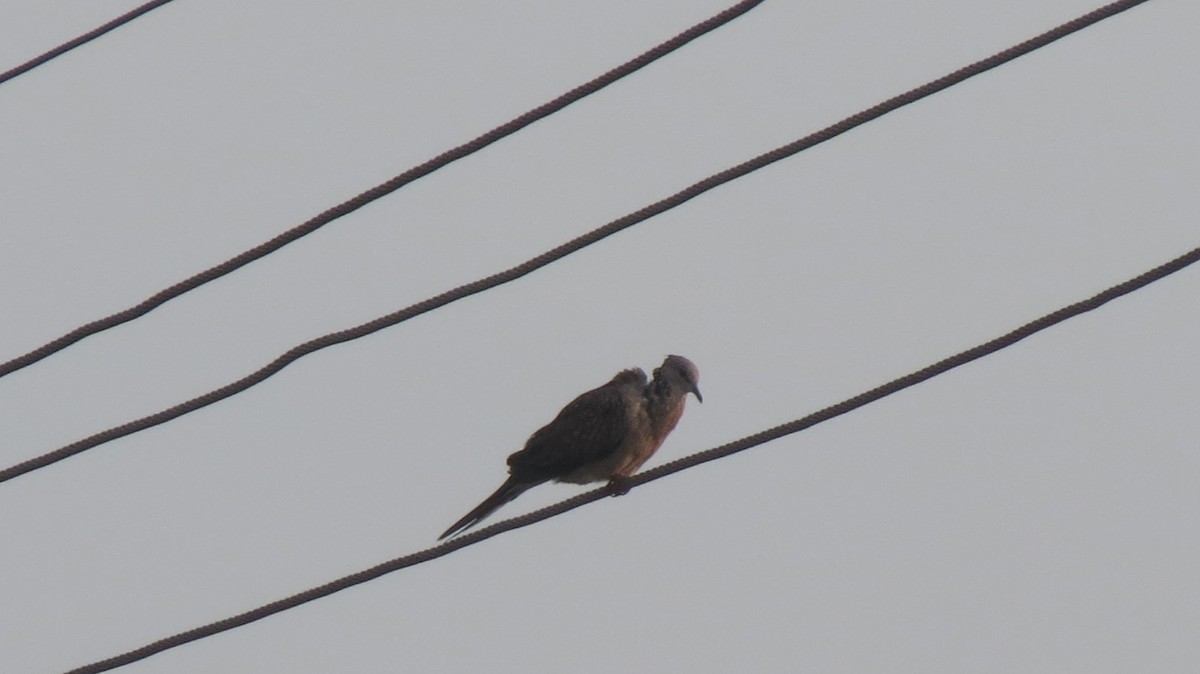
[[604, 434]]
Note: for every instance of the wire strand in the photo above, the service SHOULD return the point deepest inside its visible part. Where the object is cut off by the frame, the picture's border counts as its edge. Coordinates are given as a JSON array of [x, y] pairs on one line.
[[82, 39], [563, 250], [279, 241], [653, 474]]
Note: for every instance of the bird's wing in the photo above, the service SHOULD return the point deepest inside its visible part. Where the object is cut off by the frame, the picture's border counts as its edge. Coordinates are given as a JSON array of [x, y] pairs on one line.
[[590, 428]]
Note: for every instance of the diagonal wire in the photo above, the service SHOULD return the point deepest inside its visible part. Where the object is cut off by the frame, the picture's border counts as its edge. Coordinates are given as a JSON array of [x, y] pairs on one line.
[[565, 249], [82, 39], [659, 472], [320, 220]]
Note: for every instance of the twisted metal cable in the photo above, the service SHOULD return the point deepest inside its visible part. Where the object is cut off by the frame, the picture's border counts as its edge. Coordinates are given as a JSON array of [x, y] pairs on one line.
[[659, 472], [563, 250], [82, 39], [320, 220]]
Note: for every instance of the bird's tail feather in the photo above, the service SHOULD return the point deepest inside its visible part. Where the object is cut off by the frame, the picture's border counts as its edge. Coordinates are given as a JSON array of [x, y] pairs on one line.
[[507, 492]]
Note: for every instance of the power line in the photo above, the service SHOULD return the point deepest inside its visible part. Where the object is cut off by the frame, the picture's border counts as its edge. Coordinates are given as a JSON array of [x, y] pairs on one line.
[[659, 472], [565, 249], [279, 241], [82, 39]]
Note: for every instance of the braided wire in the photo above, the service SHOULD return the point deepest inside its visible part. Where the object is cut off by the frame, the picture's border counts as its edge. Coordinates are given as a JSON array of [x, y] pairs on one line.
[[656, 473], [349, 206], [565, 249], [82, 39]]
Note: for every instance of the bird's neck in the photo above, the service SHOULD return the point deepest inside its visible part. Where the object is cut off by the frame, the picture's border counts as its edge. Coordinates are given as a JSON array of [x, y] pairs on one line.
[[664, 406]]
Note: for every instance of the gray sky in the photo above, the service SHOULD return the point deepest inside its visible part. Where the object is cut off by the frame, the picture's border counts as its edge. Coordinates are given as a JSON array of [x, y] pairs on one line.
[[1032, 512]]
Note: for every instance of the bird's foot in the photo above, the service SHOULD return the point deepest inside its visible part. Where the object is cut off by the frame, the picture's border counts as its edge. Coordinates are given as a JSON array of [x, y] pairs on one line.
[[619, 485]]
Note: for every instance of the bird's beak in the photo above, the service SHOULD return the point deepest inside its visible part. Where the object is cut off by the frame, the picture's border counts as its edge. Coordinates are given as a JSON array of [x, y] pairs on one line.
[[696, 390]]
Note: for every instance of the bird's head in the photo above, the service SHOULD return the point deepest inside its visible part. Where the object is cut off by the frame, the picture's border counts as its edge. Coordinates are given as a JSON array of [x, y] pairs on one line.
[[683, 372]]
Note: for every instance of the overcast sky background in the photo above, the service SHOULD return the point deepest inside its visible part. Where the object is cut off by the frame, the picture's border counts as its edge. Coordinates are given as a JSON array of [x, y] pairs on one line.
[[1034, 511]]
